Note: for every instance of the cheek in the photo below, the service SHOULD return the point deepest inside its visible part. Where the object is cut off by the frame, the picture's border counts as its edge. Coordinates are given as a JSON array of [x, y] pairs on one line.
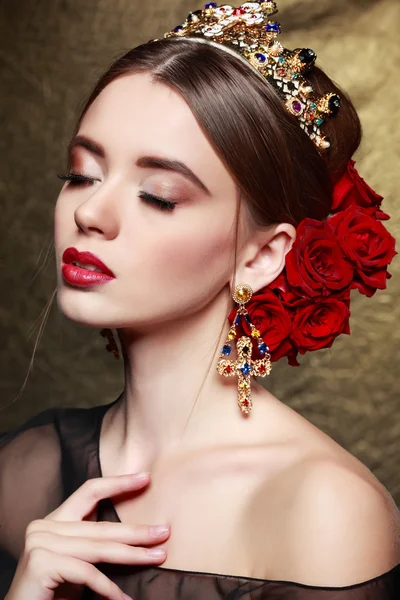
[[181, 273], [58, 218], [60, 222], [60, 214], [192, 253], [64, 224]]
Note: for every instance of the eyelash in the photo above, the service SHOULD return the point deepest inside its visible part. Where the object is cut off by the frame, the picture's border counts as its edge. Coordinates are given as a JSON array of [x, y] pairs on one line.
[[76, 179], [163, 204]]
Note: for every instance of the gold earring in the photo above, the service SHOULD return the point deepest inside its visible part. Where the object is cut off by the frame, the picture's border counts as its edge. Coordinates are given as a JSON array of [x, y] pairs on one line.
[[244, 366], [112, 344]]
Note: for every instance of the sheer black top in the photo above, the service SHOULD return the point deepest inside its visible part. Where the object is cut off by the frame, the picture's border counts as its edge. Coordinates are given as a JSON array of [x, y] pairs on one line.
[[44, 460]]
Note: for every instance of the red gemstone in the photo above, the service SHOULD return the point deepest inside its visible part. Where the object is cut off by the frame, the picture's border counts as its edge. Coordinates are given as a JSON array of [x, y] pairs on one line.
[[281, 72], [261, 368], [228, 369], [245, 402], [239, 11], [310, 116]]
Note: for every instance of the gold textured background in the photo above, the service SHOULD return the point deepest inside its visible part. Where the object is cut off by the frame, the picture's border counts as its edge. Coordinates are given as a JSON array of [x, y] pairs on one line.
[[51, 52]]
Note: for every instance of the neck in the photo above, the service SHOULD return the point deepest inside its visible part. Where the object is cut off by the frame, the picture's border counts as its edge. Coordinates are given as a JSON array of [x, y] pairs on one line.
[[174, 399]]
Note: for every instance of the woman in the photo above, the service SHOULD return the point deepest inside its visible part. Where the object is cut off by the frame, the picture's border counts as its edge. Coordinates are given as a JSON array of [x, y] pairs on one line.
[[196, 179]]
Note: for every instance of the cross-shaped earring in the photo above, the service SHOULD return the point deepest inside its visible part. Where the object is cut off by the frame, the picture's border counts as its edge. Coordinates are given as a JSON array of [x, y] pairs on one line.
[[244, 366], [112, 344]]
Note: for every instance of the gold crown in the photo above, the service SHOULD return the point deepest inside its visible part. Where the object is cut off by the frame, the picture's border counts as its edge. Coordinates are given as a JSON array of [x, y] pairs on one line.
[[248, 31]]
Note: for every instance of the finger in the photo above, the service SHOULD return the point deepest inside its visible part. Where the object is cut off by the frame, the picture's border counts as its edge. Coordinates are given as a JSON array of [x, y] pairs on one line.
[[104, 530], [92, 550], [51, 570], [84, 499]]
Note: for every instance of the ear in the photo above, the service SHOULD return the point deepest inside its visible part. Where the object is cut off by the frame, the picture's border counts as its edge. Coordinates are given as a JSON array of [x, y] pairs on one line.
[[263, 256]]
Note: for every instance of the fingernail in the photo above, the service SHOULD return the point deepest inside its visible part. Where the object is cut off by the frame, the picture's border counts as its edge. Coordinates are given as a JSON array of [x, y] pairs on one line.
[[158, 552], [126, 597], [158, 529]]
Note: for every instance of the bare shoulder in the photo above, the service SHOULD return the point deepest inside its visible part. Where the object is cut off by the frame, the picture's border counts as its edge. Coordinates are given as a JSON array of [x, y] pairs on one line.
[[322, 522]]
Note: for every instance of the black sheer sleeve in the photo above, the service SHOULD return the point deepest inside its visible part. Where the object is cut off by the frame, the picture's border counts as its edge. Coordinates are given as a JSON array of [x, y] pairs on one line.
[[30, 485]]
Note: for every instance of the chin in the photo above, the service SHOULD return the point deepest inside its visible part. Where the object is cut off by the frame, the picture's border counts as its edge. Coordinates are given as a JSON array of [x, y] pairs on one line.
[[78, 306]]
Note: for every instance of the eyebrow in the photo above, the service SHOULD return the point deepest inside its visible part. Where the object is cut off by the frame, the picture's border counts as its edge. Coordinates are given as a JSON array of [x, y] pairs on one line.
[[147, 162], [155, 162], [84, 142]]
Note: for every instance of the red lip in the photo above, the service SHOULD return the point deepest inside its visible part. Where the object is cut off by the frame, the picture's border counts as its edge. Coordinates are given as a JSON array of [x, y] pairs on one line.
[[87, 258], [80, 276]]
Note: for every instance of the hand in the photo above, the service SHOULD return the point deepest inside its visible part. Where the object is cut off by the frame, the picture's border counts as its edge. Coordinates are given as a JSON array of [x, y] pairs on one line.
[[61, 547]]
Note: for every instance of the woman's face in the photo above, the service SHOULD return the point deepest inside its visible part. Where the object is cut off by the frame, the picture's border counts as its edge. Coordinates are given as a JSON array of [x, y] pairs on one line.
[[140, 140]]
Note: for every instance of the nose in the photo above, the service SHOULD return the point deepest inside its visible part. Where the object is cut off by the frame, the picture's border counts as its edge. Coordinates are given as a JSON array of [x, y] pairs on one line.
[[97, 215]]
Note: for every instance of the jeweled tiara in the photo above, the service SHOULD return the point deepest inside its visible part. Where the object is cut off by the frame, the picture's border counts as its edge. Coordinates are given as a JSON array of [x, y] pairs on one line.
[[248, 31]]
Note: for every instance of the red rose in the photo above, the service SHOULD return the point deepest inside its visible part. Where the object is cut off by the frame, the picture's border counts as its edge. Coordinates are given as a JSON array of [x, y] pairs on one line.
[[352, 189], [381, 215], [317, 325], [271, 319], [315, 265], [281, 288], [367, 244], [308, 305], [287, 349]]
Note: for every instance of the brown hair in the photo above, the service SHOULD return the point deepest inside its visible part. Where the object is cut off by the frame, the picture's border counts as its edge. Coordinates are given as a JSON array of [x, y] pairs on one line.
[[278, 169]]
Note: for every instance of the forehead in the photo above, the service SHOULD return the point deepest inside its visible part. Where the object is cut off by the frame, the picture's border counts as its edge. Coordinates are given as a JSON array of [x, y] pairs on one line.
[[136, 115]]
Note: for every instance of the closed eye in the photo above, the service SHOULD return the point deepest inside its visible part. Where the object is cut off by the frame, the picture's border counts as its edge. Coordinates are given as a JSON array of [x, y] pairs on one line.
[[76, 179], [159, 202]]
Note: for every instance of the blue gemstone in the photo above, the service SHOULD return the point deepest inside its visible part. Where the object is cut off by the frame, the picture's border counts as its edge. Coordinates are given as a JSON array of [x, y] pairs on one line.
[[245, 369], [210, 5], [247, 317], [260, 57], [275, 27], [237, 320], [263, 348], [281, 59], [319, 121], [295, 76], [313, 105], [226, 349], [178, 28]]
